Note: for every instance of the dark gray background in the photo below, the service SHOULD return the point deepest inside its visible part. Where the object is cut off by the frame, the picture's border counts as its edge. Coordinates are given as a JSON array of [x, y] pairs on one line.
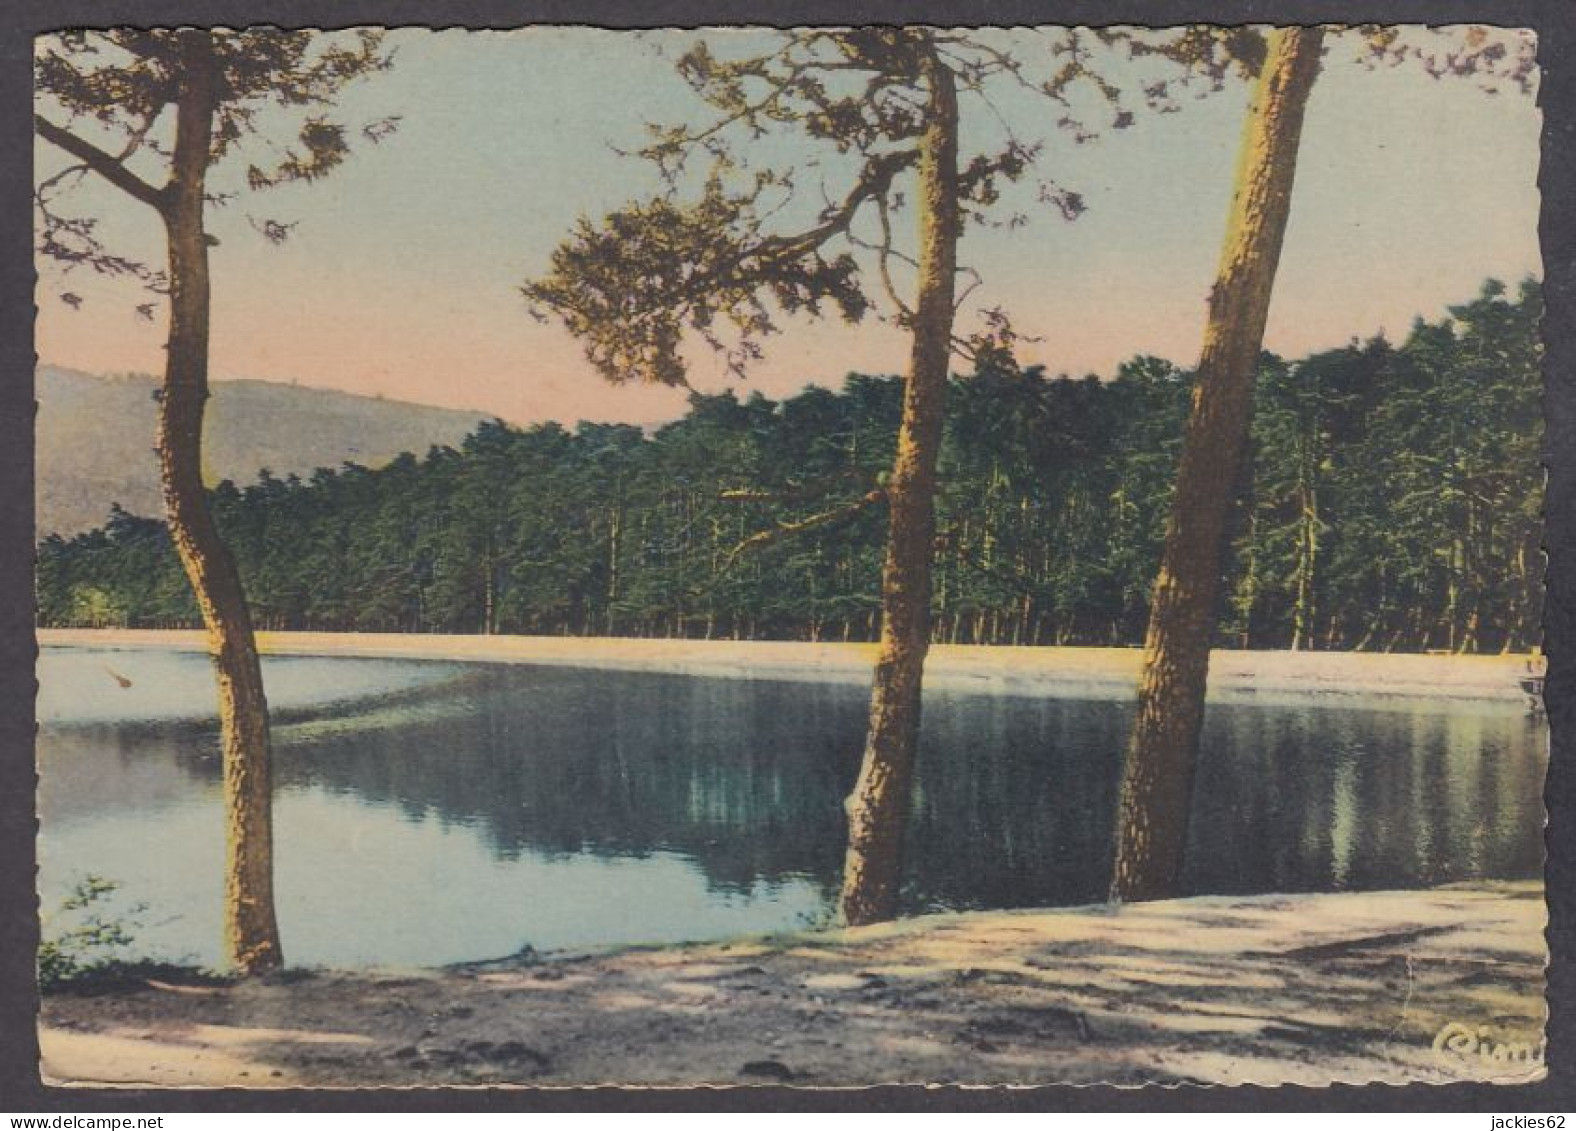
[[20, 1091]]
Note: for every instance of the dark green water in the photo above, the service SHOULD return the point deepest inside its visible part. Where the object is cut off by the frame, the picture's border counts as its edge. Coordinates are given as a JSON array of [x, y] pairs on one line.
[[433, 812]]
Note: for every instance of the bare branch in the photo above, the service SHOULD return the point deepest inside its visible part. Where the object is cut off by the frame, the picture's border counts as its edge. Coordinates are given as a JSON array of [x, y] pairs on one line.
[[138, 137], [746, 495], [884, 211], [823, 521], [874, 183], [72, 241], [102, 163], [676, 141], [974, 284]]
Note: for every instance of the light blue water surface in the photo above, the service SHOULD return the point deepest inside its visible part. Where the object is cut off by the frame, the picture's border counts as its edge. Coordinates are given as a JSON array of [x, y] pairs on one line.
[[433, 812]]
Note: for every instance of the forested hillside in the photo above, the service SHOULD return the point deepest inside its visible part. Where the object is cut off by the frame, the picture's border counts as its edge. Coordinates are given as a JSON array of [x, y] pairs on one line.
[[1392, 504], [95, 438]]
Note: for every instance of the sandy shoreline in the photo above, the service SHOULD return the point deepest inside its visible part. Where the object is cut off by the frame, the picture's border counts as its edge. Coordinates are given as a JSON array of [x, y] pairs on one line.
[[1439, 985], [1092, 672]]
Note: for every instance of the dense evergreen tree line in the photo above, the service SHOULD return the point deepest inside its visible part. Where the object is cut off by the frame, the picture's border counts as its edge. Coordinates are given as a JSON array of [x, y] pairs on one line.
[[1392, 504]]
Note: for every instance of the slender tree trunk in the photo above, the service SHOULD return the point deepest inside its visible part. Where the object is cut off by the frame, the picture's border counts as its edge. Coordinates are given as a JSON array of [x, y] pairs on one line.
[[490, 594], [1250, 586], [1157, 783], [1307, 560], [1451, 620], [878, 806], [1520, 615], [251, 934], [1472, 575], [1377, 617], [615, 528]]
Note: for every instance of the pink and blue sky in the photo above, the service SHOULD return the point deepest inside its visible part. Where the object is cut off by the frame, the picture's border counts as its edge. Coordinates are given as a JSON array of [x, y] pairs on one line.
[[400, 278]]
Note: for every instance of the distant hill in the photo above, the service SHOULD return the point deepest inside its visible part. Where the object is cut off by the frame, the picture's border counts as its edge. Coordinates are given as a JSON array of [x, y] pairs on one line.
[[95, 438]]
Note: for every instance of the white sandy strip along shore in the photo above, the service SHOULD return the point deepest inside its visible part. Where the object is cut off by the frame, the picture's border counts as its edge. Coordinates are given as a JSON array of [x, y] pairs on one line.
[[1082, 672]]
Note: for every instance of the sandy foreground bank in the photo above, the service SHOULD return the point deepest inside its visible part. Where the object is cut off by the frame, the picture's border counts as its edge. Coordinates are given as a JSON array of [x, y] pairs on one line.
[[1108, 672], [1437, 985]]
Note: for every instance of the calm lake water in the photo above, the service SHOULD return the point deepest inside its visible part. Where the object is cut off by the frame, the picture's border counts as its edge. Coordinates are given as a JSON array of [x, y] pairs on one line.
[[434, 812]]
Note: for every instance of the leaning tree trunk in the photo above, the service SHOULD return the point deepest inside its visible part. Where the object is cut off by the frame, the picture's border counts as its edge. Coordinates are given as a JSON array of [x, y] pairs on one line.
[[250, 932], [1157, 783], [878, 806]]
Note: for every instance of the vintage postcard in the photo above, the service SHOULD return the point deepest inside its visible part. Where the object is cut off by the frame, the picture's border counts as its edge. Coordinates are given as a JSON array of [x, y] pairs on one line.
[[814, 557]]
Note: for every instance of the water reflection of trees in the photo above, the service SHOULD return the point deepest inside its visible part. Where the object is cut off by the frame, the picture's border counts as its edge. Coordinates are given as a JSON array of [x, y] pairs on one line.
[[746, 778], [1014, 800], [1319, 798]]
